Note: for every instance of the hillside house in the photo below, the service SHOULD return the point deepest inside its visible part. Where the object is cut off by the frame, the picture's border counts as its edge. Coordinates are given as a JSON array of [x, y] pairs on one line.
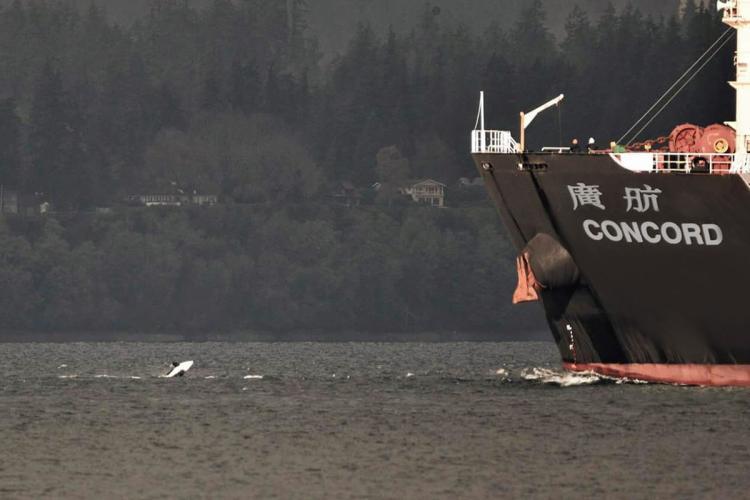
[[428, 191], [173, 200], [17, 203]]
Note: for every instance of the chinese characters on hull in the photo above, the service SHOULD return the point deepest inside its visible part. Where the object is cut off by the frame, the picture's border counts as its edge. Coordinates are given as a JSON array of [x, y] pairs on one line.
[[584, 195], [641, 200]]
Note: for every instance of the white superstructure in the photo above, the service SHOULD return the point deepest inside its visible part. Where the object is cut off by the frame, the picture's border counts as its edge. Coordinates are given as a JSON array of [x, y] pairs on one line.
[[737, 15]]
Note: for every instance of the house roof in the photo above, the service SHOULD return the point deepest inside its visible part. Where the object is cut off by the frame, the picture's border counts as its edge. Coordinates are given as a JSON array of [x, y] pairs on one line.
[[428, 181]]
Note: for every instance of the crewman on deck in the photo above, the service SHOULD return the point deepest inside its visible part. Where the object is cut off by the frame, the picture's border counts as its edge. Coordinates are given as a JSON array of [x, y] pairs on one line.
[[592, 145], [700, 165], [574, 146]]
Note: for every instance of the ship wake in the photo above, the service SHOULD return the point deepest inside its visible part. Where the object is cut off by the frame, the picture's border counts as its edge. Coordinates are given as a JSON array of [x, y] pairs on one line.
[[562, 378]]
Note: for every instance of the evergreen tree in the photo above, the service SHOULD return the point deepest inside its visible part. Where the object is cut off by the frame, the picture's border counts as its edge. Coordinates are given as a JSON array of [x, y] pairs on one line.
[[395, 95], [48, 127], [10, 144], [212, 93], [14, 59], [244, 92], [530, 38], [579, 38], [126, 119], [60, 170], [168, 109], [272, 93]]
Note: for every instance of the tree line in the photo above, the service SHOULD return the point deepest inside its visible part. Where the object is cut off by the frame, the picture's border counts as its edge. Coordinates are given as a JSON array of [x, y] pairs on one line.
[[235, 100], [91, 111], [240, 268]]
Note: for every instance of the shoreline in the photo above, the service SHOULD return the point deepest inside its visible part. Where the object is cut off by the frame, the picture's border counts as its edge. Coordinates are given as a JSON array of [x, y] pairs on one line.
[[19, 337]]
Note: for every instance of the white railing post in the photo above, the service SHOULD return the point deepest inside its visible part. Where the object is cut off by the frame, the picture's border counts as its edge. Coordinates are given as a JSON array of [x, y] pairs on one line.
[[481, 108], [664, 162], [493, 141]]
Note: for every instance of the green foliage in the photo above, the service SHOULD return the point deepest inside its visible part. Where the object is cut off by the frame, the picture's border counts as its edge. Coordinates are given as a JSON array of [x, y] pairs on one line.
[[10, 145], [249, 159], [273, 270], [56, 150]]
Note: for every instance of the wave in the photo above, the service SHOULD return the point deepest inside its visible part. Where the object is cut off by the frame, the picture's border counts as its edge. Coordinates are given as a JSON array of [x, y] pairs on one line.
[[562, 378]]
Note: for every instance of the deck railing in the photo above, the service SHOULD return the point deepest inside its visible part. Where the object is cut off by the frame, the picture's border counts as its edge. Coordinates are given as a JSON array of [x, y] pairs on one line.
[[493, 141], [731, 11], [661, 162], [501, 142]]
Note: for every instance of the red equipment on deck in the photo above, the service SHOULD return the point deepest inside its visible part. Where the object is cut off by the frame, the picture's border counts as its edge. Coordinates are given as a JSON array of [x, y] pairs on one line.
[[714, 139]]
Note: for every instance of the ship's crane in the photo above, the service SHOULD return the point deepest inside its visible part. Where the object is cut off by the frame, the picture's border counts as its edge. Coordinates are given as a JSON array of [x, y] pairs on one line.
[[500, 141], [527, 118]]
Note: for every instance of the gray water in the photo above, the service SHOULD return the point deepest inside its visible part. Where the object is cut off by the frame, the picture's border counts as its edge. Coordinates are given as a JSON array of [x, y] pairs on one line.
[[472, 420]]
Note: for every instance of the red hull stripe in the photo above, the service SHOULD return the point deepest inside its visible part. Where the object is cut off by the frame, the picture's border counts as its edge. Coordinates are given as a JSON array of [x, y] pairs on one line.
[[704, 375]]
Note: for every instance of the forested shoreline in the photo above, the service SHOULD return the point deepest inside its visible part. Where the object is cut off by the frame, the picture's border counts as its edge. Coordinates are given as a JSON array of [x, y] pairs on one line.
[[235, 100], [309, 267]]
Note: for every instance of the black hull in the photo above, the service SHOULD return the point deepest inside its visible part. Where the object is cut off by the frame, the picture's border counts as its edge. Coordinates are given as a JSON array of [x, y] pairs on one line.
[[671, 291]]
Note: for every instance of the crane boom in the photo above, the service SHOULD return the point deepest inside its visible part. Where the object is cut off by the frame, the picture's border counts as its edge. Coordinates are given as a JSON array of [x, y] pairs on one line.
[[527, 118]]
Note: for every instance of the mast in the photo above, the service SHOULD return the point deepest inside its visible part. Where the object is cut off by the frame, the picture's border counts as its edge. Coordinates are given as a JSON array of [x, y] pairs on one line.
[[737, 15]]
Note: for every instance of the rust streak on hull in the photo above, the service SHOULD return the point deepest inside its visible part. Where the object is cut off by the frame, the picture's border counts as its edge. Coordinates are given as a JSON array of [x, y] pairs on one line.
[[689, 374]]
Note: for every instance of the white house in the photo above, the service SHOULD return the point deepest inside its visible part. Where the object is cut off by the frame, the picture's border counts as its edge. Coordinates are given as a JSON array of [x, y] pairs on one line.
[[428, 191]]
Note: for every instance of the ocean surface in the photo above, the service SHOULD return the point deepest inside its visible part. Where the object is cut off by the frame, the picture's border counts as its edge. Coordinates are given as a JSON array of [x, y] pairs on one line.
[[461, 420]]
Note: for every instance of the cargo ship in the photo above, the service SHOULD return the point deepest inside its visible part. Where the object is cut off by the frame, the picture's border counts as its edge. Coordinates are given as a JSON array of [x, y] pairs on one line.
[[637, 255]]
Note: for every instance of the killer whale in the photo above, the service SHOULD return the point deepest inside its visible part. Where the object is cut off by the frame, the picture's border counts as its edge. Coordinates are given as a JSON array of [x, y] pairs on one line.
[[179, 369]]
